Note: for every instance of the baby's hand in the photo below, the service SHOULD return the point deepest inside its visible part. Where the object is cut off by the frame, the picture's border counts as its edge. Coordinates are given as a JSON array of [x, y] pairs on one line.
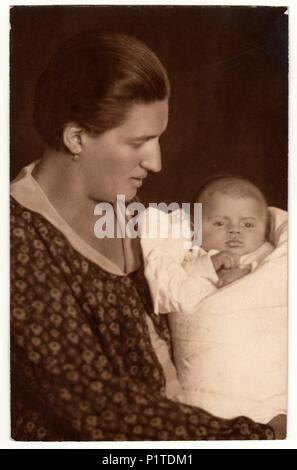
[[226, 276], [226, 260]]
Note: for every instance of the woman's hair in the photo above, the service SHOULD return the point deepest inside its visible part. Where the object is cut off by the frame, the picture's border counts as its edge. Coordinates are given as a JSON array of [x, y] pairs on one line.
[[92, 80]]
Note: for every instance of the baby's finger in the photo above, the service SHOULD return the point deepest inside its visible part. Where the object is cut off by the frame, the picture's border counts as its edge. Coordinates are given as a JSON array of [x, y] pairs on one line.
[[227, 262], [220, 283], [234, 261], [245, 267]]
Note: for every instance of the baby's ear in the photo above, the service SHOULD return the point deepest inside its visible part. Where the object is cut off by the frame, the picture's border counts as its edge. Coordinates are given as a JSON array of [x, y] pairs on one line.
[[268, 234], [278, 226]]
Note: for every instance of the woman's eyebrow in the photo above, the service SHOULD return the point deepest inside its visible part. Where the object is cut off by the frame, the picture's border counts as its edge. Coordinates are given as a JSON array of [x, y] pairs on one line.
[[144, 137], [147, 136], [141, 138]]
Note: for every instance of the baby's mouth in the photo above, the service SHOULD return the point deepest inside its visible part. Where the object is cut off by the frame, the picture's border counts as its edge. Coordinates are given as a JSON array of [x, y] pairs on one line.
[[234, 243]]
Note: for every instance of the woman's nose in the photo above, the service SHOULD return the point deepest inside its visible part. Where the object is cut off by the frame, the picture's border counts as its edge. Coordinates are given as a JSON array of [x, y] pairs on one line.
[[153, 161]]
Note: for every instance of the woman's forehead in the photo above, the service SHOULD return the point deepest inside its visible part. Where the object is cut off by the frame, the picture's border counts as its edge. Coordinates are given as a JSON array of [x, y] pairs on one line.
[[146, 119]]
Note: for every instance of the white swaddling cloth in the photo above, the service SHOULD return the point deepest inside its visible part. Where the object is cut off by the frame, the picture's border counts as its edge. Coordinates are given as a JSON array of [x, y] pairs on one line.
[[230, 344]]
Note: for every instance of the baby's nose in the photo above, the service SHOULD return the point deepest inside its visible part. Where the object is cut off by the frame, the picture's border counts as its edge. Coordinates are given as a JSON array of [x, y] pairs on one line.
[[234, 230]]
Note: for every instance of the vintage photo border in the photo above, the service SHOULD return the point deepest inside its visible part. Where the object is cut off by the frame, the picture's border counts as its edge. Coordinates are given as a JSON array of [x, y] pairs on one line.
[[5, 441]]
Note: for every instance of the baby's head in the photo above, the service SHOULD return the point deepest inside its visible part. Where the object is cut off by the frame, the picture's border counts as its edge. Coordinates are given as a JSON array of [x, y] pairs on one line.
[[234, 215]]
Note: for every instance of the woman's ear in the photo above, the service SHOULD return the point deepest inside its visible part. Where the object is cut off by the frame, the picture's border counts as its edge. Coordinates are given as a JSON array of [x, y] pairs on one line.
[[72, 138]]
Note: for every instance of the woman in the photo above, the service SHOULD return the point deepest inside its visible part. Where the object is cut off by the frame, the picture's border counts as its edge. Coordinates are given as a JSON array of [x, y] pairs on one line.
[[84, 339]]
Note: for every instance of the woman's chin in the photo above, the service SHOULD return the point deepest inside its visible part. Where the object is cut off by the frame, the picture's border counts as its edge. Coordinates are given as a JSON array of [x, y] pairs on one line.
[[129, 195]]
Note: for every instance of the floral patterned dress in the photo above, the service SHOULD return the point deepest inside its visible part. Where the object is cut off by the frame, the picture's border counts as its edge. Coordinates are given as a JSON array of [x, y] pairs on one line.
[[82, 363]]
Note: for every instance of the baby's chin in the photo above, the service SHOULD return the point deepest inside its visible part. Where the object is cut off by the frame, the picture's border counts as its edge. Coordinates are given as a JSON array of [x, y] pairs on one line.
[[240, 250]]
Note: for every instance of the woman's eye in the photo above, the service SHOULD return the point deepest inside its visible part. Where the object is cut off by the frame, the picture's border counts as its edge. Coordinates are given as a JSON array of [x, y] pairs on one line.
[[136, 145]]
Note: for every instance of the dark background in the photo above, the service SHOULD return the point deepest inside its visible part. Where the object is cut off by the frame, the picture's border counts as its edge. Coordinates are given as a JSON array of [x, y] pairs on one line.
[[228, 68]]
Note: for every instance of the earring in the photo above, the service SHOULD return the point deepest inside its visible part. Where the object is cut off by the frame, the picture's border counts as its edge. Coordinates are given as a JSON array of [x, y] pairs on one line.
[[75, 157]]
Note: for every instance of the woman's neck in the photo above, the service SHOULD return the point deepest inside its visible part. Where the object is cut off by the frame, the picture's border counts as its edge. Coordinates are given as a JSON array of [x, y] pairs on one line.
[[57, 175]]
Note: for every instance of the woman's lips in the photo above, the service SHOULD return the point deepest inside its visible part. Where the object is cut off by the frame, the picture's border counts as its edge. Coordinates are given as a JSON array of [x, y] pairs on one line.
[[137, 181]]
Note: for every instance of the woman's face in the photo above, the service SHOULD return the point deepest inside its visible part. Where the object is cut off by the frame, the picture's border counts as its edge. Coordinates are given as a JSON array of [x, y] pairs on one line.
[[117, 161]]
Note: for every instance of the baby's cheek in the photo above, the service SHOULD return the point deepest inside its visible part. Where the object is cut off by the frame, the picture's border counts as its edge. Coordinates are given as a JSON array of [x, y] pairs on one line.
[[256, 240], [211, 240], [206, 238]]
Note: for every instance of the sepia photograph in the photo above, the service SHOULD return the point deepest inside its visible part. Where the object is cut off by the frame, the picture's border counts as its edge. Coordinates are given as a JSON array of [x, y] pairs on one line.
[[148, 223]]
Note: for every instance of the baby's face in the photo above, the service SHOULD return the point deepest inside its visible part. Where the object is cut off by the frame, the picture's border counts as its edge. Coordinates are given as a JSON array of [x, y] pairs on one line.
[[233, 224]]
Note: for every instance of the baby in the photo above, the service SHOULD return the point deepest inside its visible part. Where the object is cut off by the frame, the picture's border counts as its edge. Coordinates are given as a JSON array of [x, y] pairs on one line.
[[227, 300], [235, 224]]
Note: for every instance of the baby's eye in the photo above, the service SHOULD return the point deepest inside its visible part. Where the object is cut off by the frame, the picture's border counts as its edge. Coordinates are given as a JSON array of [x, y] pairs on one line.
[[248, 225], [218, 223]]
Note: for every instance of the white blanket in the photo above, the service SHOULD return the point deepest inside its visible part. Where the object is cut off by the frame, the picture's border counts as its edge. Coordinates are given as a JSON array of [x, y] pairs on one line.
[[231, 345]]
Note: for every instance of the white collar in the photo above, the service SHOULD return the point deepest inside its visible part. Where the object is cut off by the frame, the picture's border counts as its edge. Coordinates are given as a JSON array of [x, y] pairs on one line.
[[25, 189]]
